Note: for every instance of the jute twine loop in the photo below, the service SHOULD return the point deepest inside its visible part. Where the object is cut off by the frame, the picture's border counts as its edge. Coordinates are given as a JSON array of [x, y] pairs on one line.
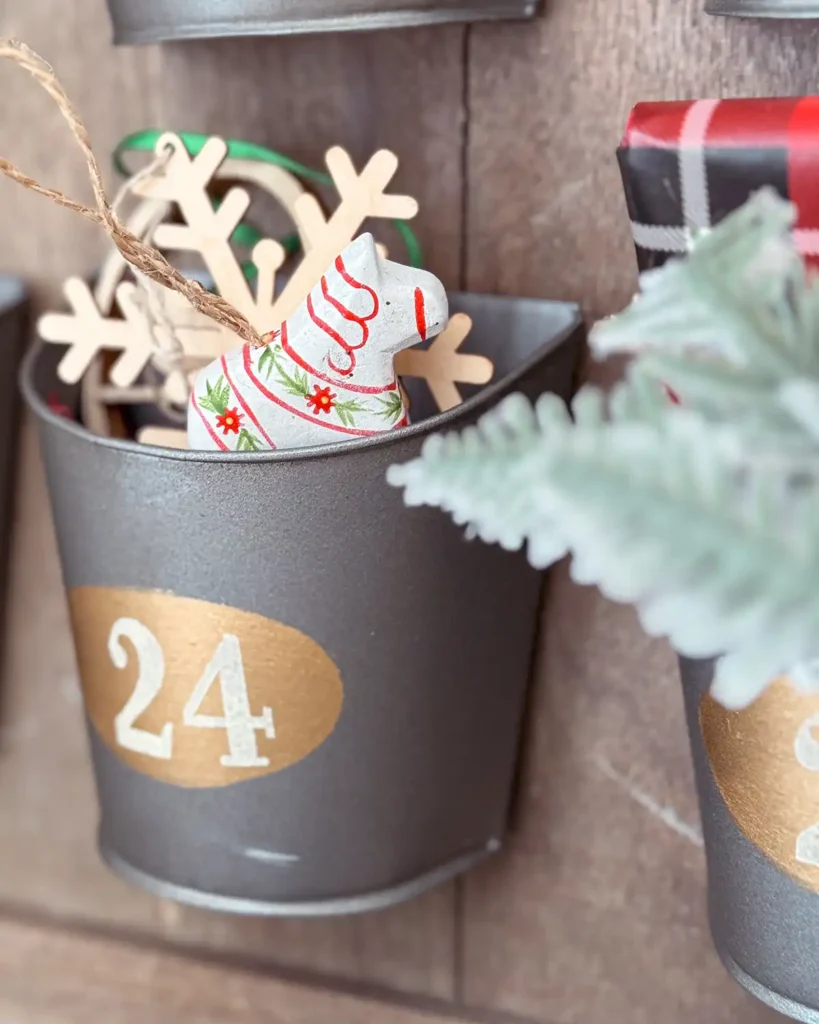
[[140, 254]]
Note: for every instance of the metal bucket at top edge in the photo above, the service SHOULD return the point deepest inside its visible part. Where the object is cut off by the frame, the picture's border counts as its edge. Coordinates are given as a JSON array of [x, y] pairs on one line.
[[784, 9], [416, 643], [153, 21]]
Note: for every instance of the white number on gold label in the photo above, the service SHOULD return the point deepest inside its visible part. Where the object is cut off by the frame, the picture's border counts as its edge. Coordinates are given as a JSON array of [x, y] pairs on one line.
[[806, 749], [151, 662], [239, 723], [225, 665]]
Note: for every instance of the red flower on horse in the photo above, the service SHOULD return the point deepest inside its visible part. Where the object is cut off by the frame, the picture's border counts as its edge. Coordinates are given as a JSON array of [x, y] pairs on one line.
[[229, 421], [322, 400]]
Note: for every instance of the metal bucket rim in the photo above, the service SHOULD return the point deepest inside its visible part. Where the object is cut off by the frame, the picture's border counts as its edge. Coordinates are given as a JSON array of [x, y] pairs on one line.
[[431, 424]]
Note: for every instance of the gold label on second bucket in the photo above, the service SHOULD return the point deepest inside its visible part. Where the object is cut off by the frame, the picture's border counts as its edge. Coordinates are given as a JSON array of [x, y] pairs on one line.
[[200, 694], [765, 760]]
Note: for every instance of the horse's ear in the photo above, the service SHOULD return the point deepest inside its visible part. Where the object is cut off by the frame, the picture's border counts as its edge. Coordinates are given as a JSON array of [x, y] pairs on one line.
[[361, 253]]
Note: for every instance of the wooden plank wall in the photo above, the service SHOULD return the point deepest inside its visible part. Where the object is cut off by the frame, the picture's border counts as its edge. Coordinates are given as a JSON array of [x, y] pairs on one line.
[[595, 911]]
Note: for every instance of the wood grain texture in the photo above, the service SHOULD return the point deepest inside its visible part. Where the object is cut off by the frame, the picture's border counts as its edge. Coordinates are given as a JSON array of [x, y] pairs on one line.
[[116, 92], [399, 90], [49, 977], [597, 914]]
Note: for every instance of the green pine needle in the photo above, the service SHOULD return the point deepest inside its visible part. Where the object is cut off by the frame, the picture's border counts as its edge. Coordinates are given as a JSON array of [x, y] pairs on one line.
[[247, 442], [267, 362], [346, 411], [392, 405], [217, 396], [296, 384]]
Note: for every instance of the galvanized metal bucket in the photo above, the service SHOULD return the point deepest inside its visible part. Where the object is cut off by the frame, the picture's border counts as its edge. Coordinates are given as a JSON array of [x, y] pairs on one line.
[[13, 337], [373, 664], [154, 21], [764, 8], [759, 798]]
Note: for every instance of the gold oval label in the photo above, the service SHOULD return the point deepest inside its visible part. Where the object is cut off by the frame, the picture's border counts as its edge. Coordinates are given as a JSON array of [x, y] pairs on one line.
[[200, 694], [765, 760]]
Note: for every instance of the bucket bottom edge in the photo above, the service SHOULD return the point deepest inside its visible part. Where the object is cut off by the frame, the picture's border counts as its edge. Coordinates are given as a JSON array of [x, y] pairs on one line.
[[782, 1004], [301, 908]]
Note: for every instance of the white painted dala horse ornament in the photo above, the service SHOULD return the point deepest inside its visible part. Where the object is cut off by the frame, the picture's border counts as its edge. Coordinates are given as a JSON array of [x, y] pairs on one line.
[[327, 374]]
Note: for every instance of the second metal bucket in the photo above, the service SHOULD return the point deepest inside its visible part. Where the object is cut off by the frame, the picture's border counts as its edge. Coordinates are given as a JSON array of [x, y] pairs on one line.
[[758, 779], [303, 697]]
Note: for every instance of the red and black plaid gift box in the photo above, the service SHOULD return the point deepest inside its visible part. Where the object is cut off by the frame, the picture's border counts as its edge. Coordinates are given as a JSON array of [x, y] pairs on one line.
[[685, 165]]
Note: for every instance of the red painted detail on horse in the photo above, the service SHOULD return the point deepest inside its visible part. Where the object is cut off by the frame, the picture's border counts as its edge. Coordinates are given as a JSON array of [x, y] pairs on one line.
[[296, 412], [324, 326], [346, 346], [362, 321], [244, 404], [348, 314], [351, 281], [361, 389], [214, 436], [420, 318]]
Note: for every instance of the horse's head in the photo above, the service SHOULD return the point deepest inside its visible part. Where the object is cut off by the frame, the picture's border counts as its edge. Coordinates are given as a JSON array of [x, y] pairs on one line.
[[414, 305], [363, 311]]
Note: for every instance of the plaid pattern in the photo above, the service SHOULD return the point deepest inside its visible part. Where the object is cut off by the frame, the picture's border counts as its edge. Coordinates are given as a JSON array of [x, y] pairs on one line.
[[686, 165]]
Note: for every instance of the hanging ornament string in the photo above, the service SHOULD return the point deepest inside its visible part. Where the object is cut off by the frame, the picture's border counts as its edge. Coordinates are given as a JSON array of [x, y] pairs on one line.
[[144, 257], [145, 141]]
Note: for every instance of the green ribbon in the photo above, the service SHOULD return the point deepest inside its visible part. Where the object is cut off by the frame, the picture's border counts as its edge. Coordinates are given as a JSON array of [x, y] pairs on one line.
[[245, 234]]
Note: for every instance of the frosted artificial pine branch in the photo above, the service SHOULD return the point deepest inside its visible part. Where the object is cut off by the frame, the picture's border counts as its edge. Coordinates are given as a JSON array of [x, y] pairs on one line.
[[705, 516], [727, 326]]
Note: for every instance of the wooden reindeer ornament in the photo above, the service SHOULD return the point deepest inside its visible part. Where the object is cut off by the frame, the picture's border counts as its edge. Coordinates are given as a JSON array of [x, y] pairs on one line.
[[328, 372]]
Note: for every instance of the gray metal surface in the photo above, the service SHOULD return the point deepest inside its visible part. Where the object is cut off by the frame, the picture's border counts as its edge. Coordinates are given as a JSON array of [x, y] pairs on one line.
[[318, 908], [434, 651], [152, 21], [13, 337], [765, 925], [764, 8]]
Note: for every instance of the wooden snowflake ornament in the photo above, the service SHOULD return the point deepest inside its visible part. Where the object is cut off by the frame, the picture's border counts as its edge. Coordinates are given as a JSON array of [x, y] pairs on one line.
[[88, 331], [328, 372], [150, 325], [443, 366]]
